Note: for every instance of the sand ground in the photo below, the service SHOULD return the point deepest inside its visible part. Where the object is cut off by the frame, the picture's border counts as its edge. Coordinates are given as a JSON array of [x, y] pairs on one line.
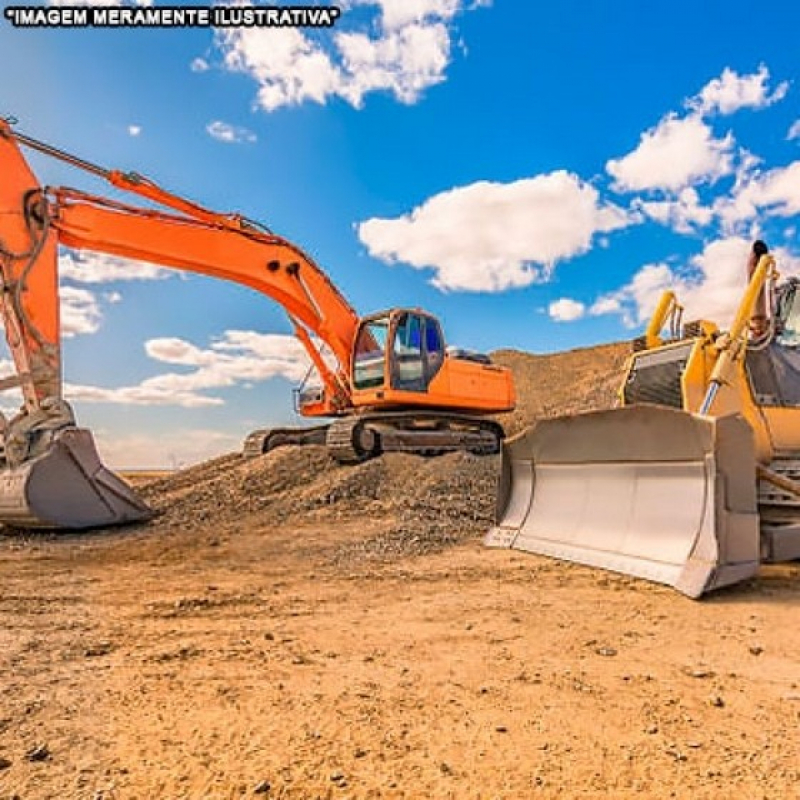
[[245, 660]]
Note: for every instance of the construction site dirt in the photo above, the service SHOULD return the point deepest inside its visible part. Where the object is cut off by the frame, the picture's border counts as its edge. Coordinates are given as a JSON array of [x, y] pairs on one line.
[[288, 627]]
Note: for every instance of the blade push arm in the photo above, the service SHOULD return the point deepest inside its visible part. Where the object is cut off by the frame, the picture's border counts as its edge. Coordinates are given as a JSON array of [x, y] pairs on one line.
[[733, 344]]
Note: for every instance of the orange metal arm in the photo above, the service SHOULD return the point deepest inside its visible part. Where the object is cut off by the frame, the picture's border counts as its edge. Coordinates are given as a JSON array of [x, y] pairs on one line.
[[197, 240]]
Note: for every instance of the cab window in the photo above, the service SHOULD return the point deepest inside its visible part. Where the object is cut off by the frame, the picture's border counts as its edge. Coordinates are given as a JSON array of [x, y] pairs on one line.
[[408, 368], [370, 353]]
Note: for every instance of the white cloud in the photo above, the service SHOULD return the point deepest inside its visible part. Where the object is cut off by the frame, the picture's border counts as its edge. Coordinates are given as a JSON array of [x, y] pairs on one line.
[[199, 65], [677, 152], [711, 288], [732, 91], [134, 130], [495, 236], [405, 61], [794, 131], [237, 357], [91, 267], [405, 51], [683, 213], [775, 193], [231, 134], [635, 301], [397, 13], [80, 312], [566, 310]]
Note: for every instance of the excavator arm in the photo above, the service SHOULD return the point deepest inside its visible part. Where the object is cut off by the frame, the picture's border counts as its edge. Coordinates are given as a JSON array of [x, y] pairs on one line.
[[52, 475], [34, 221]]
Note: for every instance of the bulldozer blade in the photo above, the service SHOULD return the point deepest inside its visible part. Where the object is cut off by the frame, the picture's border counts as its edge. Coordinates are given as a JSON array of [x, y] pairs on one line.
[[67, 487], [647, 491]]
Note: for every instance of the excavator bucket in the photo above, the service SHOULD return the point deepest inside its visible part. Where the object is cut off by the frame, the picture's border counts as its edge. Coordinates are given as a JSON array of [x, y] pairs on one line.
[[647, 491], [67, 486]]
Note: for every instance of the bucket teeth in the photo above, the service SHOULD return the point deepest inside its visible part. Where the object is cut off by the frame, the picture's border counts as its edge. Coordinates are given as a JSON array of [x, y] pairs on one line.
[[67, 487]]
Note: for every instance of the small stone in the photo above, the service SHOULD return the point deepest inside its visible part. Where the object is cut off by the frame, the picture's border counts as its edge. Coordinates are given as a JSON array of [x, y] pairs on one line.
[[694, 745], [501, 728], [38, 753], [359, 753], [651, 730], [756, 650], [445, 768], [99, 649], [262, 787], [337, 777], [605, 651], [700, 673], [717, 701], [270, 637], [4, 763]]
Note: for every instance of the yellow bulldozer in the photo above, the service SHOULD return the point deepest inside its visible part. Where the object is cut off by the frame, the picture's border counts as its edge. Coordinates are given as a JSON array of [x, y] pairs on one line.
[[694, 479]]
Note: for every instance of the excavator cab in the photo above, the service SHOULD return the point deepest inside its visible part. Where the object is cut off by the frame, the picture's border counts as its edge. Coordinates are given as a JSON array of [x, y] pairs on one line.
[[397, 350]]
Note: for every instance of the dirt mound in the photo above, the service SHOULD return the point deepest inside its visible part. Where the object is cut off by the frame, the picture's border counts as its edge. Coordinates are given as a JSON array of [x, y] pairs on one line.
[[425, 504], [585, 379]]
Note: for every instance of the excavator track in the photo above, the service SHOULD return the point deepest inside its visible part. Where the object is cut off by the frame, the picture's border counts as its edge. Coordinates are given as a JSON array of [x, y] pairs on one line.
[[265, 439], [355, 439]]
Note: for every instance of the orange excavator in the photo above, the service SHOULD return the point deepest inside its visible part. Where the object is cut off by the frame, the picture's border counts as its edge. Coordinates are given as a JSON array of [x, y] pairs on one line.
[[391, 383]]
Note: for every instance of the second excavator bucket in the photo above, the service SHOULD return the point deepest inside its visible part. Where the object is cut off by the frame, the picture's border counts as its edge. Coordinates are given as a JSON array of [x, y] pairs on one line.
[[647, 491], [67, 487]]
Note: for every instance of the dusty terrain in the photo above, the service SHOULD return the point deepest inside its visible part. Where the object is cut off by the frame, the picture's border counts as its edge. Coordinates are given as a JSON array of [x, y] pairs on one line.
[[289, 628]]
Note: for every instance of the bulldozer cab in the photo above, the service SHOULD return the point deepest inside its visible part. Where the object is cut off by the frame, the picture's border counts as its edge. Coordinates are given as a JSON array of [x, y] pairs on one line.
[[400, 349], [773, 363]]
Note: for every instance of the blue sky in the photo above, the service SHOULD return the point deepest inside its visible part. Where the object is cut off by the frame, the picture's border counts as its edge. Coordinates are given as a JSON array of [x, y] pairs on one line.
[[535, 174]]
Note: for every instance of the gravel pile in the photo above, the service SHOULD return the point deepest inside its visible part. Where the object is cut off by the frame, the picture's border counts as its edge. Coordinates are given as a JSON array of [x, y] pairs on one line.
[[423, 504]]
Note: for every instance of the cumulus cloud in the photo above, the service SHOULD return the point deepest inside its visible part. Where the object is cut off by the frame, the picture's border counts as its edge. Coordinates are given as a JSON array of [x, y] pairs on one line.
[[495, 236], [566, 310], [80, 312], [731, 91], [683, 213], [231, 134], [405, 50], [199, 65], [91, 267], [237, 357], [710, 288], [774, 193], [134, 130], [682, 153], [673, 154]]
